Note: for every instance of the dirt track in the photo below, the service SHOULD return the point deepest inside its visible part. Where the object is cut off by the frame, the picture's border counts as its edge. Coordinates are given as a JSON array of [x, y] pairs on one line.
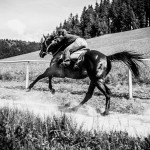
[[43, 103]]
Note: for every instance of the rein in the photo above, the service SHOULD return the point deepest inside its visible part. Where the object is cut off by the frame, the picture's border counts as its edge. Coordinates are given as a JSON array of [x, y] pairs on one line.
[[48, 46], [54, 54], [57, 51]]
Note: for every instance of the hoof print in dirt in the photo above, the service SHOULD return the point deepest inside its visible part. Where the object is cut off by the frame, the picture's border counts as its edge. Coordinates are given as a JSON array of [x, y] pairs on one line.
[[105, 113], [52, 91], [74, 109], [28, 90], [67, 104], [65, 109]]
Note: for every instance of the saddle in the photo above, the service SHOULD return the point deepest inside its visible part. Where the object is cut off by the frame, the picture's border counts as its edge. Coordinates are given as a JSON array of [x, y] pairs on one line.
[[76, 55]]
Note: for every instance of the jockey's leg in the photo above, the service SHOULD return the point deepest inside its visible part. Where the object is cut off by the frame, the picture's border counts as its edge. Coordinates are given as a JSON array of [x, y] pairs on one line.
[[66, 61], [81, 44], [75, 46], [66, 56], [78, 63]]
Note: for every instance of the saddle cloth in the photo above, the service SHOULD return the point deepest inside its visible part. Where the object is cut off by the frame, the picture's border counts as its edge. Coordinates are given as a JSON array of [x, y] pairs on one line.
[[76, 54]]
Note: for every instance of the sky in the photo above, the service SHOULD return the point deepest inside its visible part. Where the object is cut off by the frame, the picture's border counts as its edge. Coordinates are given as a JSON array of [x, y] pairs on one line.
[[28, 20]]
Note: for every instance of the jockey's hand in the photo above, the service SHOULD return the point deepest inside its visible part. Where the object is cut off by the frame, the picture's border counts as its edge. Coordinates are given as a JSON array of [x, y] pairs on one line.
[[55, 41]]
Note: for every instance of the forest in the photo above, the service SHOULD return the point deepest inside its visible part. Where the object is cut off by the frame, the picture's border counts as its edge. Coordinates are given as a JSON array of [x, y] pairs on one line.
[[109, 17], [10, 48]]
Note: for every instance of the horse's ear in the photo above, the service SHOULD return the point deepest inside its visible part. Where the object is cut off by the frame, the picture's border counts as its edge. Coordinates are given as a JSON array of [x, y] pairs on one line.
[[44, 36], [41, 40]]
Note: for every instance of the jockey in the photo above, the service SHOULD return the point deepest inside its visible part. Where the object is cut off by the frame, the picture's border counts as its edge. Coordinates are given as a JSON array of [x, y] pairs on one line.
[[70, 43]]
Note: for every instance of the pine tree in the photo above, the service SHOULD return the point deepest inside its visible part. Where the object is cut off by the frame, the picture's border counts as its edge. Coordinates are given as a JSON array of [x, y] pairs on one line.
[[147, 12], [141, 13], [83, 24], [114, 11], [66, 25], [77, 27], [134, 24], [106, 17]]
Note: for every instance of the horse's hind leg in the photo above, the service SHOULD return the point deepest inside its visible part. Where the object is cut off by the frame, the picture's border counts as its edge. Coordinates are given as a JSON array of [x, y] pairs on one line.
[[50, 85], [87, 96], [106, 91], [47, 73]]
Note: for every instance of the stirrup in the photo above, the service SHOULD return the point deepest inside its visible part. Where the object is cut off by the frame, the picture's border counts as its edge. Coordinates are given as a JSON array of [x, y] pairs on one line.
[[66, 63], [76, 67]]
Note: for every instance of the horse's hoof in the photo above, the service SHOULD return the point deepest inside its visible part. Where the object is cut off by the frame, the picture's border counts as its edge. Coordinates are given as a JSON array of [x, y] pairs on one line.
[[28, 90], [76, 68], [74, 109], [67, 104], [105, 113], [52, 91]]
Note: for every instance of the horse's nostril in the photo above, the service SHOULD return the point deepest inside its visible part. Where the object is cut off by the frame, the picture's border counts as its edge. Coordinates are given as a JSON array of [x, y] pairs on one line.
[[40, 55]]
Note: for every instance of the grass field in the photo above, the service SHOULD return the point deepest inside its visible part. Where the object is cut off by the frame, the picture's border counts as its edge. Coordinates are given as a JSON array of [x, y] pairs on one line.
[[135, 40], [24, 131], [12, 77]]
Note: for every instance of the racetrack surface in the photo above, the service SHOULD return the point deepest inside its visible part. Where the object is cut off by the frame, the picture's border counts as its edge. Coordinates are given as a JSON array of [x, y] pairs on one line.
[[38, 102]]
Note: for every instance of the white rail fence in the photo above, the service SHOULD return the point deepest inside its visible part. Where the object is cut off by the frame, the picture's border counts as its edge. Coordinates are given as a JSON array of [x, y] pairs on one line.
[[43, 61], [27, 67]]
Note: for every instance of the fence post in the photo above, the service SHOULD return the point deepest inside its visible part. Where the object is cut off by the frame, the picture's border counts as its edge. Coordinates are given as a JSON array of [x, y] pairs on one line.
[[27, 74], [130, 85]]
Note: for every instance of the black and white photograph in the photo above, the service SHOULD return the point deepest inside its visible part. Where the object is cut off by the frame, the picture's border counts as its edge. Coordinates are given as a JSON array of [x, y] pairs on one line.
[[74, 74]]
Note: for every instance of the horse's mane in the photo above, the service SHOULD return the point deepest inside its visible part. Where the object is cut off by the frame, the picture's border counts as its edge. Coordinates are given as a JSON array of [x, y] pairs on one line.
[[57, 47]]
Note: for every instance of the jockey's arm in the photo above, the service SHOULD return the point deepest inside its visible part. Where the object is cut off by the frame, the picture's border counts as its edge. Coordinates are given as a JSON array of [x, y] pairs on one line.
[[59, 42], [59, 39]]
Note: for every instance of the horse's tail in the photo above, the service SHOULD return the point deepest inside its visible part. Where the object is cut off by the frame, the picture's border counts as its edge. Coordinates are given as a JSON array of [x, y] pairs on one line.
[[130, 59]]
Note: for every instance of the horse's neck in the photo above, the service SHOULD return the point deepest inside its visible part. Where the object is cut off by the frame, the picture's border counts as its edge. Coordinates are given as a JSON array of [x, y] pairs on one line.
[[57, 54], [57, 51]]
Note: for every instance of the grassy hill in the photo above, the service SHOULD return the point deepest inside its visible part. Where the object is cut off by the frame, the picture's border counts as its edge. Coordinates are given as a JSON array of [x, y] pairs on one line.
[[137, 40]]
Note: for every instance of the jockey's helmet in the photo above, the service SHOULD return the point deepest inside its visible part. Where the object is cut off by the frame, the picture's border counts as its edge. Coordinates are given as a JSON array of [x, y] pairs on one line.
[[61, 32]]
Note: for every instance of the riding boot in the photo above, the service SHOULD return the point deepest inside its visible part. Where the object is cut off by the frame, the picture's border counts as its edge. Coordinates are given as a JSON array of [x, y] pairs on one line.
[[78, 63], [60, 59], [67, 60]]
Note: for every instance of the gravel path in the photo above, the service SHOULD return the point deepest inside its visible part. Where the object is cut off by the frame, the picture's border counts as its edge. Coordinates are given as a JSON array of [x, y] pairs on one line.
[[43, 104]]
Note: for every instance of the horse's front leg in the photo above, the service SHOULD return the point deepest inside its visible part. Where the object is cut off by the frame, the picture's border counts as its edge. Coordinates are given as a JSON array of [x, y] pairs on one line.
[[50, 85], [87, 96], [47, 73], [106, 91]]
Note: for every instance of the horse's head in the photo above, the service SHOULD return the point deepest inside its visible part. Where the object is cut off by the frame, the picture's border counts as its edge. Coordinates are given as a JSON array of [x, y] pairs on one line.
[[44, 46]]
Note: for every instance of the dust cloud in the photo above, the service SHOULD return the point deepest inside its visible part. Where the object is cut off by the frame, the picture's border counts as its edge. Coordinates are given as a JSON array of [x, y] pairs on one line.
[[87, 117]]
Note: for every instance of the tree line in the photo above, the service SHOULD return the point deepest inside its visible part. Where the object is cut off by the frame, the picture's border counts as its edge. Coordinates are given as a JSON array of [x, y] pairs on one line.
[[10, 48], [103, 18], [109, 17]]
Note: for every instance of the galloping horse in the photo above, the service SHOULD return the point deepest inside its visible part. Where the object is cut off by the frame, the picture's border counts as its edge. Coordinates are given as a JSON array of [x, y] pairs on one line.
[[95, 65]]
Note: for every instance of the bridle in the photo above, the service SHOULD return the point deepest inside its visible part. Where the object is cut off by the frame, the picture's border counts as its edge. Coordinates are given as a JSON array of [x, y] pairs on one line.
[[48, 46]]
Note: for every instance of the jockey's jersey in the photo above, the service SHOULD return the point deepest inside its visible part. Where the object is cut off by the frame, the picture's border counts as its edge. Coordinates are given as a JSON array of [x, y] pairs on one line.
[[67, 39]]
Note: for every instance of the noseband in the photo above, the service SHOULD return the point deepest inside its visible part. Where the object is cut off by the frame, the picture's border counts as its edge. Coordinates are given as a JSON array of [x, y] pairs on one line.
[[48, 46], [47, 49]]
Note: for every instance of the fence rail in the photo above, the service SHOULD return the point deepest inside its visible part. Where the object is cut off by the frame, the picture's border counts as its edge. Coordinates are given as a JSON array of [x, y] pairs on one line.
[[130, 81], [18, 61], [45, 61], [27, 67]]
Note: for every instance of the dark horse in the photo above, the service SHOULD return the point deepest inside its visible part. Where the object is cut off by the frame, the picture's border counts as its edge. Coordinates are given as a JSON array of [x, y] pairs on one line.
[[95, 65]]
